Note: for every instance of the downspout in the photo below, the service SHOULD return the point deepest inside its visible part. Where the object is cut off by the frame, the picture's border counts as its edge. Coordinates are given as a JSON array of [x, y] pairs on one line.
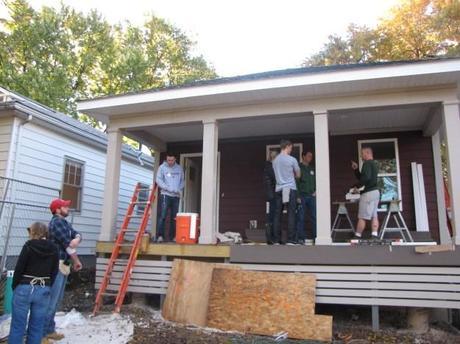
[[11, 174]]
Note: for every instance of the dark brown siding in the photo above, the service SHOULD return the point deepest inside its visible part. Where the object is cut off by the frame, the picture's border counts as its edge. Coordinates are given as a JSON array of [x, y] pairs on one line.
[[242, 162]]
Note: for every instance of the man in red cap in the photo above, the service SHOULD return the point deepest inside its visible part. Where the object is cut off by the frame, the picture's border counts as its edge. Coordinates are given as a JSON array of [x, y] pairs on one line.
[[67, 240]]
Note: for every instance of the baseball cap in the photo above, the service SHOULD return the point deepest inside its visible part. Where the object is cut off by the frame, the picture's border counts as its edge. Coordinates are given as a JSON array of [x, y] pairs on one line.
[[58, 203]]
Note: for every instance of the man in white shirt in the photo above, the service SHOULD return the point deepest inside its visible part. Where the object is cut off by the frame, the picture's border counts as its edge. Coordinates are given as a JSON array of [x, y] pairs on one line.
[[286, 170]]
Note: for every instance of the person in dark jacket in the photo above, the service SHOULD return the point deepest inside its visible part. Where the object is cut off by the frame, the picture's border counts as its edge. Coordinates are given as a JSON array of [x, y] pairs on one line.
[[370, 194], [306, 188], [35, 272], [270, 185]]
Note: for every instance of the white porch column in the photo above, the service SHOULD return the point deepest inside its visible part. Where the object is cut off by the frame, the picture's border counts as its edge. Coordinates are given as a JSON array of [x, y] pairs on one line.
[[451, 118], [444, 236], [111, 185], [323, 182], [209, 183]]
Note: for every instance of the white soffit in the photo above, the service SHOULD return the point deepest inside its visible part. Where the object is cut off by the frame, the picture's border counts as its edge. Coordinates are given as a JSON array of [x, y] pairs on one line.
[[328, 82]]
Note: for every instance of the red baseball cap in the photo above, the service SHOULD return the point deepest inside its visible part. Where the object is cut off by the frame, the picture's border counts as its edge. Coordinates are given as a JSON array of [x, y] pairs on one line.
[[58, 203]]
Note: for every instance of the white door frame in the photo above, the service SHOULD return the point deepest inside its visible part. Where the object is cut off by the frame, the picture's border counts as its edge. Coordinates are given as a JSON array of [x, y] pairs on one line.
[[182, 163]]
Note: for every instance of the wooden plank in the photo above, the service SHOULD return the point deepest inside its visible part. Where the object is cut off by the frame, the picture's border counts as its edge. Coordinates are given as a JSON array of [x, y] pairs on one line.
[[387, 302], [266, 303], [407, 294], [387, 285], [175, 250], [354, 269], [188, 291], [435, 248], [140, 262]]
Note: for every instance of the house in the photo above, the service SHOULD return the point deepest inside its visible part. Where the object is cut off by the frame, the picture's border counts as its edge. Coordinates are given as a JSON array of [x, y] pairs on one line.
[[225, 128], [44, 154], [222, 130]]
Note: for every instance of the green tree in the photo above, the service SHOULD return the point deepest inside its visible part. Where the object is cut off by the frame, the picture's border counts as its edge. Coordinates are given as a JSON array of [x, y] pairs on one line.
[[413, 29], [58, 56]]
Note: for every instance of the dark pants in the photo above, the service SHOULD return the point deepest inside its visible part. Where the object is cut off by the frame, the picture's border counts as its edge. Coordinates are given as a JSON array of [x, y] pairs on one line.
[[270, 218], [28, 298], [171, 204], [291, 216], [310, 203]]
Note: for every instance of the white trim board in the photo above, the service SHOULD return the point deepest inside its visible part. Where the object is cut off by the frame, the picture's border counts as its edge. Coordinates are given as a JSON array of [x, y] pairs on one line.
[[421, 212]]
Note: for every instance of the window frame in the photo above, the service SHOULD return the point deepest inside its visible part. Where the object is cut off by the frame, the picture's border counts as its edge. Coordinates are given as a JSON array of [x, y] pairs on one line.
[[82, 179], [398, 170], [142, 186], [278, 146]]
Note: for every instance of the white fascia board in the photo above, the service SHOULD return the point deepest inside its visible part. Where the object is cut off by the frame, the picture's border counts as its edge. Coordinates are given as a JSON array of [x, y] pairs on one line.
[[326, 77]]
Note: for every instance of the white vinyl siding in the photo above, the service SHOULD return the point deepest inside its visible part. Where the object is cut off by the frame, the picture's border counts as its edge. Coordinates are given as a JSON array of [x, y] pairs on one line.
[[6, 128], [42, 155]]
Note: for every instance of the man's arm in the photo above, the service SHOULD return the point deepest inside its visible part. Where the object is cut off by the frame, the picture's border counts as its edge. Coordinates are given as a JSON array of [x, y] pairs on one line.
[[182, 180], [296, 168], [160, 180], [364, 176], [60, 230]]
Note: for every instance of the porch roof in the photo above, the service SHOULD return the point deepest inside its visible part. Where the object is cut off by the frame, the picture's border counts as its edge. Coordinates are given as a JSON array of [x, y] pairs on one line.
[[291, 84]]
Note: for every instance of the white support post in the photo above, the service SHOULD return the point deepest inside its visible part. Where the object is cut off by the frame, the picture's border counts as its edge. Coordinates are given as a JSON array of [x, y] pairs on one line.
[[451, 118], [154, 213], [444, 236], [111, 185], [323, 182], [208, 220]]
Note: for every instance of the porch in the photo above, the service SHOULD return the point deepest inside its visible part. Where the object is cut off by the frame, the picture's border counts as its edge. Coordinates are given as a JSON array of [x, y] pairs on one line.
[[226, 123]]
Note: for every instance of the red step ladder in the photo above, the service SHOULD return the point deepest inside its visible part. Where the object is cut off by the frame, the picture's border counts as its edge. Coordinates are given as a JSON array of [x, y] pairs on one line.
[[120, 242]]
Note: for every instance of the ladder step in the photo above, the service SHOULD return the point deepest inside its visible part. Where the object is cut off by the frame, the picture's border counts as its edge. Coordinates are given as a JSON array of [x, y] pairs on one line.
[[126, 245], [136, 216]]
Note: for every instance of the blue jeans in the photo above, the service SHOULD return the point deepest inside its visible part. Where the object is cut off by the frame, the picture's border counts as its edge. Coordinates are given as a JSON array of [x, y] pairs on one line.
[[34, 298], [310, 203], [171, 204], [57, 294]]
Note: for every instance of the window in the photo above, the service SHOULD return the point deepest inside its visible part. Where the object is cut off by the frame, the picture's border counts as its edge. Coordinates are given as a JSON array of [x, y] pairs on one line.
[[296, 150], [387, 158], [143, 197], [72, 185]]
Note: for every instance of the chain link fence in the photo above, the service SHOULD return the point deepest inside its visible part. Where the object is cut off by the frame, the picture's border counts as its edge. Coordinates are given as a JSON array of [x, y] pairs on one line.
[[21, 204]]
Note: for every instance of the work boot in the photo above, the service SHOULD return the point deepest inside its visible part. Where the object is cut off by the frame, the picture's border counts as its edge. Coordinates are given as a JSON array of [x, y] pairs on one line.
[[46, 341], [55, 336]]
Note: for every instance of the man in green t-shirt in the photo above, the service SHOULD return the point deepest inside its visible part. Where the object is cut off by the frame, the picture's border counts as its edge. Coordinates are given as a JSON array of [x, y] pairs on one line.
[[370, 194], [306, 188]]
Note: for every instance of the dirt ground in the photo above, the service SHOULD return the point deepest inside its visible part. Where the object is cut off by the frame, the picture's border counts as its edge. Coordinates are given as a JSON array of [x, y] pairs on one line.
[[351, 324]]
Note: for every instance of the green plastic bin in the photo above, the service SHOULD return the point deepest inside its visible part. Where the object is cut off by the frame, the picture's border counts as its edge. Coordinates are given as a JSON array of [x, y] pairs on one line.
[[8, 293]]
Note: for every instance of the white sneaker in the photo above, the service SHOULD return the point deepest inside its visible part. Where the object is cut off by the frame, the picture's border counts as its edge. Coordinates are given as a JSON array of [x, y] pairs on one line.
[[160, 239], [309, 242]]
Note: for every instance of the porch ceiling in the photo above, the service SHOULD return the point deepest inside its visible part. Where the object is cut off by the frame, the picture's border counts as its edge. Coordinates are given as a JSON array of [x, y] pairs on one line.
[[387, 119]]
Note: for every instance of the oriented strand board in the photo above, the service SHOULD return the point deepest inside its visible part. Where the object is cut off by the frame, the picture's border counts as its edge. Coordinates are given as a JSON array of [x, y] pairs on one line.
[[266, 303], [188, 292]]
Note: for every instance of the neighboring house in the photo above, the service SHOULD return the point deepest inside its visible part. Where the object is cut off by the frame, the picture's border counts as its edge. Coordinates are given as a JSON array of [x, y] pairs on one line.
[[224, 128], [58, 153]]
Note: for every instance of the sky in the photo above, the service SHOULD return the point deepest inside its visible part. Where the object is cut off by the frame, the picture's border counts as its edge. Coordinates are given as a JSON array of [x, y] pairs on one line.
[[245, 36]]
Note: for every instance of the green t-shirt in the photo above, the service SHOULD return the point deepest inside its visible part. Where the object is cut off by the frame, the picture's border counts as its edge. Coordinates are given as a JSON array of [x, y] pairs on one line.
[[368, 176], [306, 184]]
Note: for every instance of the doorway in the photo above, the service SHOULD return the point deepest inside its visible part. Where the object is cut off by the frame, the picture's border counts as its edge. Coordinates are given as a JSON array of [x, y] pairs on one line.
[[191, 201], [192, 190]]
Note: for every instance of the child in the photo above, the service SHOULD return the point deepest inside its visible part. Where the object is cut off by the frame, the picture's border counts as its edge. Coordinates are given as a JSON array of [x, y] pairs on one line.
[[35, 272]]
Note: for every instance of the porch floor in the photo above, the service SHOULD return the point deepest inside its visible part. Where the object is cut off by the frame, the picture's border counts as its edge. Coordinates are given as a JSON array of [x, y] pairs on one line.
[[305, 255]]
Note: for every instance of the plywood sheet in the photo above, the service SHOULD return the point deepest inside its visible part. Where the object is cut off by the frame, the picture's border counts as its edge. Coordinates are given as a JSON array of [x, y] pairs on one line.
[[188, 291], [266, 303]]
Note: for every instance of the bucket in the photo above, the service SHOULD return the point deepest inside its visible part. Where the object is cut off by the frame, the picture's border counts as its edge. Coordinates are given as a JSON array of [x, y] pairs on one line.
[[187, 228]]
